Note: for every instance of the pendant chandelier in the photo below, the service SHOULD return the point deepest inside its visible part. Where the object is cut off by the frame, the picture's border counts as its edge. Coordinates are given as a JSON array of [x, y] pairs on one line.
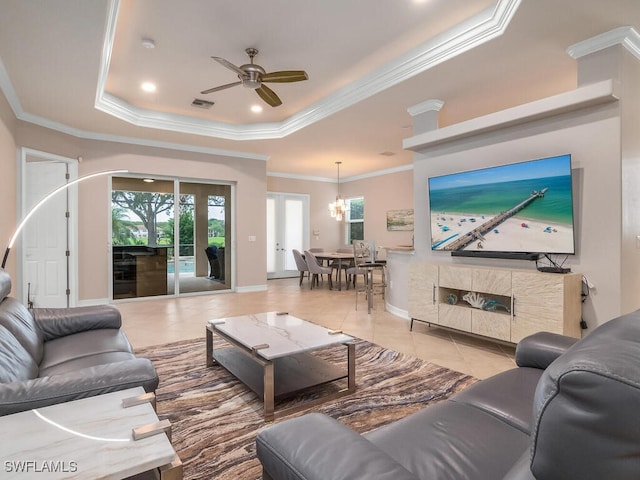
[[338, 209]]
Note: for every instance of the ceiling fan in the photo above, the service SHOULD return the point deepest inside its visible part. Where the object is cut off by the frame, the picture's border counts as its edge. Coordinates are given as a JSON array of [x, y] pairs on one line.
[[252, 75]]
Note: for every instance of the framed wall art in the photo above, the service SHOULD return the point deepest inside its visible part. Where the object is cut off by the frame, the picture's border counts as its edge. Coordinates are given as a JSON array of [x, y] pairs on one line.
[[400, 220]]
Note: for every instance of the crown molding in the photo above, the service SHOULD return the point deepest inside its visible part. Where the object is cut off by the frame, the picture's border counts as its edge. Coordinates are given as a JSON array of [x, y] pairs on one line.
[[75, 132], [9, 92], [433, 105], [309, 178], [475, 31], [628, 37], [353, 178]]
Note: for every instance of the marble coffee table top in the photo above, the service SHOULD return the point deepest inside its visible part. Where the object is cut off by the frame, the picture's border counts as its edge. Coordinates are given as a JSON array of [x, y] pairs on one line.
[[277, 334]]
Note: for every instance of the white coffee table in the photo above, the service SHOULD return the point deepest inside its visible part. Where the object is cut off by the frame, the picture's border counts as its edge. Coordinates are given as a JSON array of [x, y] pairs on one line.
[[88, 438], [269, 352]]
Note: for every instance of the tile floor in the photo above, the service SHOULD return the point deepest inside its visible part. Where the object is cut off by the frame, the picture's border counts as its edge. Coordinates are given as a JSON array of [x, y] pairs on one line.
[[156, 321]]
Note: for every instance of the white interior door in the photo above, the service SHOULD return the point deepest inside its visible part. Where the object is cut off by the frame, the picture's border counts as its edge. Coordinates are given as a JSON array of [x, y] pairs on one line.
[[287, 229], [46, 265]]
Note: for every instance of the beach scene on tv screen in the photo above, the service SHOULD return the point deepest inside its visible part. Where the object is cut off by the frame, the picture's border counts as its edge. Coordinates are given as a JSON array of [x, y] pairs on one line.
[[522, 207]]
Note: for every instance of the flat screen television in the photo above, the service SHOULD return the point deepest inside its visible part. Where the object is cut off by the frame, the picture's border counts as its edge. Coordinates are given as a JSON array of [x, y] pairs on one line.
[[512, 211]]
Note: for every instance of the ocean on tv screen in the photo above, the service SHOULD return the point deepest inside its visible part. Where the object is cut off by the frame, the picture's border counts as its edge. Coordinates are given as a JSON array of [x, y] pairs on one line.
[[510, 214]]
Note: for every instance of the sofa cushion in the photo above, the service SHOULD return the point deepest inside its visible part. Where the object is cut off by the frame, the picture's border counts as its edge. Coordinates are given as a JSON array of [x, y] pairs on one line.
[[508, 396], [60, 322], [73, 364], [16, 364], [316, 446], [18, 320], [451, 440], [92, 343], [87, 382], [586, 407], [5, 284]]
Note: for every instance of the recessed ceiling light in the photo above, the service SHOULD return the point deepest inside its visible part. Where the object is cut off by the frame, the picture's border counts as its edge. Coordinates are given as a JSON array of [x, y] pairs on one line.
[[148, 43], [256, 108], [148, 180], [148, 87]]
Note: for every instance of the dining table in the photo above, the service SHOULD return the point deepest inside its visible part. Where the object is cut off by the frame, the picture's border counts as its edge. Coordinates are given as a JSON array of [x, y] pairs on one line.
[[339, 257]]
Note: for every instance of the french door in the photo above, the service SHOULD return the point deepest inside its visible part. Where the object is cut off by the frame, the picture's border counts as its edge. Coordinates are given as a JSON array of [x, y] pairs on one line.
[[287, 229]]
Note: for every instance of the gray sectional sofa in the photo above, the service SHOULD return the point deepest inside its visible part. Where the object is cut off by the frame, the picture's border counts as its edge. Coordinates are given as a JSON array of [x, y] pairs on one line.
[[570, 410], [50, 356]]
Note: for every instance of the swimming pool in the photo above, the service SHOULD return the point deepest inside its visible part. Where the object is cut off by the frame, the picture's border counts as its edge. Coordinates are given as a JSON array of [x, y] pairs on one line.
[[185, 265]]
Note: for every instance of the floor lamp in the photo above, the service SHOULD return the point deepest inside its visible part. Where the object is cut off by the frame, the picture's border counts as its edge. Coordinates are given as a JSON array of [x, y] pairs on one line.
[[43, 201]]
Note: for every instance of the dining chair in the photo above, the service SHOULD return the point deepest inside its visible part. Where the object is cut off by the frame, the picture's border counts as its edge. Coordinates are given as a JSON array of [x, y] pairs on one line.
[[365, 265], [316, 269], [301, 264], [342, 265]]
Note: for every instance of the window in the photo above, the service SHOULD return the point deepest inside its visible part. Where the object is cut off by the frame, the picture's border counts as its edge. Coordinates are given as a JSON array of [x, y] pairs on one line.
[[354, 220]]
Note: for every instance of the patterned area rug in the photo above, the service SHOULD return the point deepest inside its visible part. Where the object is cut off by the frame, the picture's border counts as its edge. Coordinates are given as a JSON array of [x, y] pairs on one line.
[[216, 418]]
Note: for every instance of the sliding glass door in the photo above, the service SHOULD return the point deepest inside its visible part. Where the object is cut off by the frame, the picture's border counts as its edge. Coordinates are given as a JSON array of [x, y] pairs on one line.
[[161, 246]]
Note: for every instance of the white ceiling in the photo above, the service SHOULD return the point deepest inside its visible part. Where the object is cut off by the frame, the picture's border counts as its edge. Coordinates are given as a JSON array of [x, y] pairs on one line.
[[77, 66]]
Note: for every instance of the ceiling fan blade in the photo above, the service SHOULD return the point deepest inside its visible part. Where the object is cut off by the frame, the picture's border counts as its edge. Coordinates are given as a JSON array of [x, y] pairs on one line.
[[285, 76], [268, 96], [230, 66], [221, 87]]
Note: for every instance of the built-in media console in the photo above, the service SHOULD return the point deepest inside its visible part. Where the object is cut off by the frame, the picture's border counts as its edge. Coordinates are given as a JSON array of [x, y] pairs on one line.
[[498, 303]]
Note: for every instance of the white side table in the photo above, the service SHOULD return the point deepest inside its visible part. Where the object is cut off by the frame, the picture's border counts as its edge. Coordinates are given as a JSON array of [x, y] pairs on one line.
[[87, 438]]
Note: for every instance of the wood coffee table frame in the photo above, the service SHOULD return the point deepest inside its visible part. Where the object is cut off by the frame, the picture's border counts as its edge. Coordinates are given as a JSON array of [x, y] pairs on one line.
[[282, 376]]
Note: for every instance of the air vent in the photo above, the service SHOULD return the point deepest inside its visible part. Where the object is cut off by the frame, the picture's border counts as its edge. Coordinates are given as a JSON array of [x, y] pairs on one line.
[[387, 154], [200, 103]]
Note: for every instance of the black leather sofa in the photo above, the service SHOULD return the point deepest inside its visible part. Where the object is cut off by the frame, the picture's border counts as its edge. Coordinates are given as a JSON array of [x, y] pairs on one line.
[[570, 410], [54, 355]]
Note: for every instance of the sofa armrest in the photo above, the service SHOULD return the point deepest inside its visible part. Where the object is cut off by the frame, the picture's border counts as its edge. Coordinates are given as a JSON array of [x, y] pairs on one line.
[[317, 447], [87, 382], [542, 348], [60, 322]]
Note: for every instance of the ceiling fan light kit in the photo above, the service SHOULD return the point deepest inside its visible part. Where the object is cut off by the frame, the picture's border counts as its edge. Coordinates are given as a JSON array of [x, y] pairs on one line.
[[252, 76]]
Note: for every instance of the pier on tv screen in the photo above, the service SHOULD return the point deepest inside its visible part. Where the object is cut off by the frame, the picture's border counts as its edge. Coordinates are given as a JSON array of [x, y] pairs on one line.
[[524, 207]]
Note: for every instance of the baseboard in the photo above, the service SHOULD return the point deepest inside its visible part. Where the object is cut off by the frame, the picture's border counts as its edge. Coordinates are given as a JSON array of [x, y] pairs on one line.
[[92, 302], [397, 311], [251, 288]]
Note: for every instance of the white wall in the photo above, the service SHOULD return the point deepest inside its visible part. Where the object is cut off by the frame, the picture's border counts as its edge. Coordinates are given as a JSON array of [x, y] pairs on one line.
[[593, 140], [381, 193], [605, 147], [248, 175], [320, 195], [8, 191]]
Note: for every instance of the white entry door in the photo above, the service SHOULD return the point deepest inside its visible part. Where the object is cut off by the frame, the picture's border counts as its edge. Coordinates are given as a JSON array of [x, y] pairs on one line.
[[46, 274], [287, 229]]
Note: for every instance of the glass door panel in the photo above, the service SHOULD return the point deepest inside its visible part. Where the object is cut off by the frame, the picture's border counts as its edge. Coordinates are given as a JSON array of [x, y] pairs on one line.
[[293, 231], [204, 235], [287, 229], [140, 211], [271, 234]]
